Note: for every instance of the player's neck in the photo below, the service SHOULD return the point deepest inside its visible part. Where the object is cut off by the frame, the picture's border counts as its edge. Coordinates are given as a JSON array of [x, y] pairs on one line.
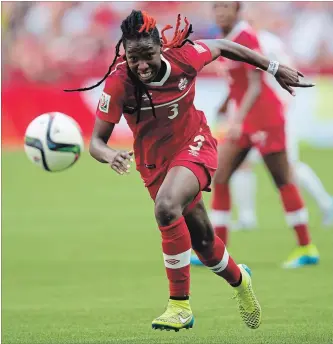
[[227, 30], [161, 72]]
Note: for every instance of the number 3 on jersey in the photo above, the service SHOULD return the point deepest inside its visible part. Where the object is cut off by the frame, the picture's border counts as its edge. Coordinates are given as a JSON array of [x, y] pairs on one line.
[[194, 150], [174, 110]]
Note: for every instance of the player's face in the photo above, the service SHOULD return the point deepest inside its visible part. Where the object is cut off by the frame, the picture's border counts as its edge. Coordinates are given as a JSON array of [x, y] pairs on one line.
[[225, 13], [143, 58]]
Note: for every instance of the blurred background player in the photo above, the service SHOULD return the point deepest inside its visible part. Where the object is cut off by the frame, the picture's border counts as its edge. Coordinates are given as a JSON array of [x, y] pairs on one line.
[[257, 120], [243, 181]]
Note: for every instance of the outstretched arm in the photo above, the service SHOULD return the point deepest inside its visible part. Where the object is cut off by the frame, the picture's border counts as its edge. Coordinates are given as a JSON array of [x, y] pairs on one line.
[[118, 160], [287, 77], [98, 147]]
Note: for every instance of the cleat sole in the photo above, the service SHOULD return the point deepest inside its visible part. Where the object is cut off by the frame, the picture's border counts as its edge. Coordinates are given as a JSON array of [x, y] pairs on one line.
[[170, 328]]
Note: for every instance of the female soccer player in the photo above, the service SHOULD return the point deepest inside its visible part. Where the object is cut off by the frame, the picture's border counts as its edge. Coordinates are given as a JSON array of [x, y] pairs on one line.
[[153, 86], [259, 122], [244, 178]]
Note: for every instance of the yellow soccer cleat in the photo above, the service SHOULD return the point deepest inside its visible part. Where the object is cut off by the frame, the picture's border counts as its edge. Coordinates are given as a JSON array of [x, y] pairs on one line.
[[177, 316], [301, 256], [248, 304]]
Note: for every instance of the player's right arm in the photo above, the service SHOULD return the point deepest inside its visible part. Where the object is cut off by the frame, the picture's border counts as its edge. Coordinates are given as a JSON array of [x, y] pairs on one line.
[[99, 149], [108, 113]]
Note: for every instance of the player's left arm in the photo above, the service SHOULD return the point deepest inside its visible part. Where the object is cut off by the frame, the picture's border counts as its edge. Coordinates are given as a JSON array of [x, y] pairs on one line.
[[287, 77], [252, 93]]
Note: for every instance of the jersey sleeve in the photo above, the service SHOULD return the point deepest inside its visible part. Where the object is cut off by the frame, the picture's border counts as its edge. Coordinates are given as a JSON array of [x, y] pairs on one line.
[[197, 55], [110, 105], [251, 41]]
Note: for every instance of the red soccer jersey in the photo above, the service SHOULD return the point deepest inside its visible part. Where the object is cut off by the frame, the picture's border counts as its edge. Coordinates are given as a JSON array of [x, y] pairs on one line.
[[267, 111], [156, 140]]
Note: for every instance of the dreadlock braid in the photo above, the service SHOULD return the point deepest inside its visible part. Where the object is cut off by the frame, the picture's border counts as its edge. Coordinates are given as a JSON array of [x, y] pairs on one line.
[[136, 26], [105, 76], [179, 37]]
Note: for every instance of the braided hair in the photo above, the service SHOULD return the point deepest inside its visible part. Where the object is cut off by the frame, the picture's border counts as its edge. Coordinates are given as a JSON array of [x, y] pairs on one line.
[[136, 26]]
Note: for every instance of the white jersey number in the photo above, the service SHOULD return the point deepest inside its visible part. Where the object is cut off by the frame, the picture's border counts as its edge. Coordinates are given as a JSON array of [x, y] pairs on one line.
[[199, 139], [174, 110]]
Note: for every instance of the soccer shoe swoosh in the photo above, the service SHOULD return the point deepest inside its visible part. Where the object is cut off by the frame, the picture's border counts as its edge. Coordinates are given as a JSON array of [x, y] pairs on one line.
[[177, 316], [301, 256], [249, 307]]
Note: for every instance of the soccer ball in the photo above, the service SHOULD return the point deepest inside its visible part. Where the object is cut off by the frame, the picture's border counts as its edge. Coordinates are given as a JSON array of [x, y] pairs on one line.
[[53, 141]]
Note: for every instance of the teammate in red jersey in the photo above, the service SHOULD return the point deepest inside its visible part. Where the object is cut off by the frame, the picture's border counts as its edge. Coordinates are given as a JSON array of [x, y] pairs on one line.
[[153, 86], [258, 121]]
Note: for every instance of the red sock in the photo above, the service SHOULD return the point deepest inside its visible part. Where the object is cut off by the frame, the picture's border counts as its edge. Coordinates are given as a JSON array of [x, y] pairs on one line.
[[220, 215], [222, 233], [176, 244], [296, 213], [217, 258]]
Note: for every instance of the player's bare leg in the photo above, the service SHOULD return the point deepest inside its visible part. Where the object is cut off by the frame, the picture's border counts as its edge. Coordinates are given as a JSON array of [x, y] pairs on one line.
[[306, 177], [230, 157], [212, 252], [178, 190], [243, 190], [296, 213], [309, 181]]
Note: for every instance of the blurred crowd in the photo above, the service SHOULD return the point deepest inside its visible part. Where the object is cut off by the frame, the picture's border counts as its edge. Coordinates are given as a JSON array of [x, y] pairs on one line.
[[49, 41]]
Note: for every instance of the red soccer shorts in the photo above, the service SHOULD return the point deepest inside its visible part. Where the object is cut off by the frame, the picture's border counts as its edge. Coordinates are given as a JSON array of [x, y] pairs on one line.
[[199, 156], [267, 141]]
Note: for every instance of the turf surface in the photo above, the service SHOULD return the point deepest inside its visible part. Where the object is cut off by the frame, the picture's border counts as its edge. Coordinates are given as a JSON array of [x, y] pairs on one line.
[[82, 263]]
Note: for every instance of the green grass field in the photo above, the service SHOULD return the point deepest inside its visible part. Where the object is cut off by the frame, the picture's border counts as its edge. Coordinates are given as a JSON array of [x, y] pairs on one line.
[[82, 263]]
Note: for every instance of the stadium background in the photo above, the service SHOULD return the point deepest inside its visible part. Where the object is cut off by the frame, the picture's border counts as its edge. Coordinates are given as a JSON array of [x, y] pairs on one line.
[[80, 248]]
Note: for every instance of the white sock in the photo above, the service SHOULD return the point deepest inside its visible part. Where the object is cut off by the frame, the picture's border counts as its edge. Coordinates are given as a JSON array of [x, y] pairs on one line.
[[244, 187], [308, 180]]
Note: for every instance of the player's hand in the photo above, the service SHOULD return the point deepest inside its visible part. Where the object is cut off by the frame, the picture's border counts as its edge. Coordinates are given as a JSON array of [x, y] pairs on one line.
[[120, 161], [288, 78], [223, 109], [234, 130]]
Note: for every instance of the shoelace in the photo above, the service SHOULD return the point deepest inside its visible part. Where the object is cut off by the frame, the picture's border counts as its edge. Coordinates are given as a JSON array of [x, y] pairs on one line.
[[172, 309]]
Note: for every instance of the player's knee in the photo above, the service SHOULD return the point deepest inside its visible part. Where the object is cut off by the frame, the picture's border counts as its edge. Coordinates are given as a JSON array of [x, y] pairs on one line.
[[203, 241], [202, 245], [201, 230], [167, 211]]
